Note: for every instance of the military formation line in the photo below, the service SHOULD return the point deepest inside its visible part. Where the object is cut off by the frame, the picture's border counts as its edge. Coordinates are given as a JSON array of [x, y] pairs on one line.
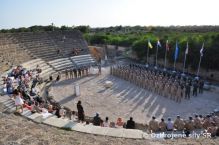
[[164, 83]]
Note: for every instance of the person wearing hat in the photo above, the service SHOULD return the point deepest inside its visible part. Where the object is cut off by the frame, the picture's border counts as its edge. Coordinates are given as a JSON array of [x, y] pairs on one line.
[[179, 123], [153, 125]]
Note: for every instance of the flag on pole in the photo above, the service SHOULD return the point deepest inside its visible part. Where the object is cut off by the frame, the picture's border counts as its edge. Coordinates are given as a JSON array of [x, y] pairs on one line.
[[176, 52], [201, 50], [158, 43], [167, 46], [187, 49], [149, 44]]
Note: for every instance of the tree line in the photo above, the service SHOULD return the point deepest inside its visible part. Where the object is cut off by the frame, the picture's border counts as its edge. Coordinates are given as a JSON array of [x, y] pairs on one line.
[[136, 37]]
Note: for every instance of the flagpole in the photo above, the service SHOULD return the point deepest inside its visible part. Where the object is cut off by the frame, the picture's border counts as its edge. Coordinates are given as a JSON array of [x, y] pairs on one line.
[[199, 65], [184, 64], [156, 56], [147, 55], [174, 65], [201, 54], [165, 59]]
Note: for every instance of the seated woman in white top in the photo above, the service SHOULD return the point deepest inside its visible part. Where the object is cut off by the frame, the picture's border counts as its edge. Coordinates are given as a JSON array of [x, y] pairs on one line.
[[73, 116], [169, 125], [106, 122], [62, 112]]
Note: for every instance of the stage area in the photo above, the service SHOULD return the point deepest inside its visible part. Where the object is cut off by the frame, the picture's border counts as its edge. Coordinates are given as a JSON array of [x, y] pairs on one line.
[[125, 99]]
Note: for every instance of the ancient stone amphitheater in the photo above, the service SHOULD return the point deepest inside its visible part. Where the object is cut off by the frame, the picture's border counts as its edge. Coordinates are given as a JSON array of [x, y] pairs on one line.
[[53, 52]]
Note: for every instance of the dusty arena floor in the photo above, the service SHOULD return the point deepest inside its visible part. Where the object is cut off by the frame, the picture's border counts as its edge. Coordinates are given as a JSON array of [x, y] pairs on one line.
[[125, 99]]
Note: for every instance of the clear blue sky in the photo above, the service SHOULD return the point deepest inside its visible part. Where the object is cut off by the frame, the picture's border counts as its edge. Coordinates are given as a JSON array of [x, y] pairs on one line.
[[103, 13]]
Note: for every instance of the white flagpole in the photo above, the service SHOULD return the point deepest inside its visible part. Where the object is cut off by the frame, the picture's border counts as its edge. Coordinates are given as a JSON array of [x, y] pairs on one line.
[[184, 65], [199, 64], [147, 53], [174, 65], [156, 56], [165, 58]]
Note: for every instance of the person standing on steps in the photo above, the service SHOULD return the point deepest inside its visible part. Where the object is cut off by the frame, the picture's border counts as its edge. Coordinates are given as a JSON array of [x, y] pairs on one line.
[[80, 112]]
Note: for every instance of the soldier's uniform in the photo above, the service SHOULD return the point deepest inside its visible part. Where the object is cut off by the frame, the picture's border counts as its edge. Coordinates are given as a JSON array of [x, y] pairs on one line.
[[197, 122], [189, 126], [66, 74], [179, 124], [71, 74], [153, 126], [162, 126]]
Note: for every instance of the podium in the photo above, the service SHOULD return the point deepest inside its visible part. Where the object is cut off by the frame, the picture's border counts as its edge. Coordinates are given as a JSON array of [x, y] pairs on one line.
[[77, 90]]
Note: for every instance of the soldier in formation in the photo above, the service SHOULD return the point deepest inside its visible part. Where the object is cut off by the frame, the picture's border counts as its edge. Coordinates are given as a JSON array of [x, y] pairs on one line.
[[168, 84], [77, 72]]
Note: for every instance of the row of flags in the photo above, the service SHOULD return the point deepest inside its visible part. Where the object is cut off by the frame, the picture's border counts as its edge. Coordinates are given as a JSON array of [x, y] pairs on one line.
[[176, 54]]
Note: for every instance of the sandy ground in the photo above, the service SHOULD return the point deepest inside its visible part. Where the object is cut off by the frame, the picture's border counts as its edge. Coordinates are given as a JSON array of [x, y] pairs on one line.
[[15, 130], [125, 99]]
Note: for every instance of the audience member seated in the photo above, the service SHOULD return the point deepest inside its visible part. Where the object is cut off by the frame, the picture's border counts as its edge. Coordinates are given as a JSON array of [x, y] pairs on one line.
[[26, 105], [212, 129], [119, 123], [36, 107], [112, 125], [97, 120], [179, 124], [169, 125], [73, 116], [162, 125], [197, 122], [153, 125], [206, 122], [106, 122], [130, 124], [189, 126], [62, 112], [50, 108]]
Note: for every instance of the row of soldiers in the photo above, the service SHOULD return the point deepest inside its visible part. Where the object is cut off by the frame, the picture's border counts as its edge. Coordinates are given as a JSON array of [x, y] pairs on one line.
[[166, 84], [76, 72], [210, 123]]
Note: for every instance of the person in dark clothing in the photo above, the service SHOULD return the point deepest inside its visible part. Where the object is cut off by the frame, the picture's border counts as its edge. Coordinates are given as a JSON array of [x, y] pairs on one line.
[[75, 73], [50, 78], [97, 120], [130, 124], [58, 78], [80, 112], [188, 90], [195, 89], [201, 86]]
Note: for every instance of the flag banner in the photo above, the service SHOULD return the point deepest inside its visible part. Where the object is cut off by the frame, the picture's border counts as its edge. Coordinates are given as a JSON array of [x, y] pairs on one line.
[[176, 52], [187, 49], [158, 44], [149, 44], [167, 46], [201, 50]]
